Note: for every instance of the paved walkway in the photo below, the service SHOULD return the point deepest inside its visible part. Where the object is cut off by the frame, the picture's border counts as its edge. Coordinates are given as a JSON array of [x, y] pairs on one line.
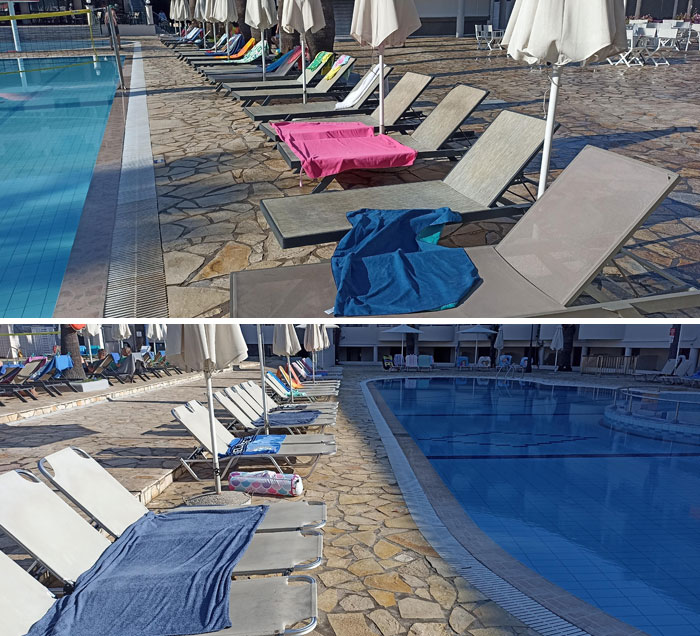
[[380, 576], [216, 166]]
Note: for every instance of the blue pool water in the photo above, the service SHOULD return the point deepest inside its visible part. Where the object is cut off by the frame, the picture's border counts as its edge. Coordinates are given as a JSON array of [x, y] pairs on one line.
[[612, 518], [52, 124]]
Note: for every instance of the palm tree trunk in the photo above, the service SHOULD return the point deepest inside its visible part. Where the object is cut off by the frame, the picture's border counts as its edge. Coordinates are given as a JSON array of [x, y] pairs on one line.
[[71, 346], [323, 40], [242, 26]]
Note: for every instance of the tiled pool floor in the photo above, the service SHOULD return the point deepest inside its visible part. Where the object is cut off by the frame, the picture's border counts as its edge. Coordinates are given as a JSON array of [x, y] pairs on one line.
[[52, 126]]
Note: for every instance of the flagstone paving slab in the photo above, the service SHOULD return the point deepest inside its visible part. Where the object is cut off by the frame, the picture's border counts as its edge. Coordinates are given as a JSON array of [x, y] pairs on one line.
[[217, 166]]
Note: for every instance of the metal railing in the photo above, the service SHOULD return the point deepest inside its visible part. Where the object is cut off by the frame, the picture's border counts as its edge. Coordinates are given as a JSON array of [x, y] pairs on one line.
[[651, 405], [608, 365]]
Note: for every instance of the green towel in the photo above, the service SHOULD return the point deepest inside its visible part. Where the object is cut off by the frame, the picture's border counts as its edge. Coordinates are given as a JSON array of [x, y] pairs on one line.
[[319, 60], [254, 53]]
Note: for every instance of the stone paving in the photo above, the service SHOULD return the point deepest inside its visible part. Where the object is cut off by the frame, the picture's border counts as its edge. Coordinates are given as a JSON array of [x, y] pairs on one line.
[[380, 576], [217, 166]]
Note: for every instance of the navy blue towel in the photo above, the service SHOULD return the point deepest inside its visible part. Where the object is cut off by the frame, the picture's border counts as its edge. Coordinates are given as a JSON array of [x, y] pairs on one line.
[[167, 575], [254, 445], [390, 263], [289, 418]]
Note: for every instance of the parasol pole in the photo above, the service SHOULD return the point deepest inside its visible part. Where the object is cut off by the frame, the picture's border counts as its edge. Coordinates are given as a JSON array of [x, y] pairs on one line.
[[261, 355], [549, 130]]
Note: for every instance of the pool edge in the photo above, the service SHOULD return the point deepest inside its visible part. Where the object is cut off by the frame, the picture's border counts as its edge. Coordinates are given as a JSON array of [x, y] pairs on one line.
[[83, 290], [484, 564]]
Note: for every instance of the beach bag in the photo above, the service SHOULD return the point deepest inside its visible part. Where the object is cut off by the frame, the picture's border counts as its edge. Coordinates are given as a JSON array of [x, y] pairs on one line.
[[266, 482]]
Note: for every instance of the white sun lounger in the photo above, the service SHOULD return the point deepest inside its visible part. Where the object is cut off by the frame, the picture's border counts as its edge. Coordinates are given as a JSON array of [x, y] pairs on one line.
[[238, 407], [253, 389], [67, 545], [100, 496], [23, 600], [306, 438], [199, 427]]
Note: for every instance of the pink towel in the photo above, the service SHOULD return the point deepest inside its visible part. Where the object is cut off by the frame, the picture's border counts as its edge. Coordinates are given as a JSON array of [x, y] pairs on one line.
[[306, 130], [324, 157]]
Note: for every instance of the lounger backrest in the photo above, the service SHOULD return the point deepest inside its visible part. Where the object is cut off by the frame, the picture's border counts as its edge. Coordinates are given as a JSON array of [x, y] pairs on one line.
[[90, 487], [407, 90], [239, 395], [448, 116], [196, 421], [276, 385], [26, 371], [326, 84], [364, 89], [311, 73], [497, 157], [253, 389], [23, 600], [589, 212], [225, 401], [668, 368], [47, 527]]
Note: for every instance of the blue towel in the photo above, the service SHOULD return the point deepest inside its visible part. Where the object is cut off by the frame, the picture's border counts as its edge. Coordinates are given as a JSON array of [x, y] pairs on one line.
[[390, 263], [254, 445], [289, 418], [279, 61], [167, 574]]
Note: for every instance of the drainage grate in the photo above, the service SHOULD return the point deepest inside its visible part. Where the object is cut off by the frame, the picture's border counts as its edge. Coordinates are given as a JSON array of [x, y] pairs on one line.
[[510, 598], [136, 280]]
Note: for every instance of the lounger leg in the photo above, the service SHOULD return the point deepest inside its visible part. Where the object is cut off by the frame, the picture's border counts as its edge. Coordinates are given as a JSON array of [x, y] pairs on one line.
[[325, 182], [187, 466]]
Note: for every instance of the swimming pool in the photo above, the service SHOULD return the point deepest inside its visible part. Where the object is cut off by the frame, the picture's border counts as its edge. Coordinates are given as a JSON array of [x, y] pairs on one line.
[[52, 121], [611, 517]]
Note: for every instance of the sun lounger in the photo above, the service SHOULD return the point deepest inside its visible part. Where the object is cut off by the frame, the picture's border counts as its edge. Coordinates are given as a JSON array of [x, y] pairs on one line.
[[683, 370], [251, 393], [246, 411], [220, 48], [67, 545], [425, 363], [473, 188], [99, 495], [321, 379], [197, 423], [238, 408], [202, 412], [396, 106], [251, 58], [309, 389], [252, 73], [332, 84], [235, 78], [666, 370], [540, 268], [431, 139], [23, 600], [253, 389]]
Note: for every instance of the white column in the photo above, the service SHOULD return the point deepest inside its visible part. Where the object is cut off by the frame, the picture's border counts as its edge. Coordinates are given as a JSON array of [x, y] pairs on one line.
[[149, 13], [375, 353], [693, 357], [460, 18], [628, 352]]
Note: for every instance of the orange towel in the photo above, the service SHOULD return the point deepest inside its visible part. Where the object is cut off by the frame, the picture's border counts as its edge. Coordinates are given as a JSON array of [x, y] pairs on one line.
[[246, 47]]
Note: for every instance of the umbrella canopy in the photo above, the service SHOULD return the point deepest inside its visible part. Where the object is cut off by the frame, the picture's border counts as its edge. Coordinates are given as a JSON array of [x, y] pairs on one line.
[[476, 329], [402, 329], [382, 23], [498, 345], [285, 341], [155, 332], [560, 32], [121, 331], [315, 339], [260, 14], [557, 343], [199, 10], [180, 11], [208, 11], [225, 11], [207, 348], [94, 329], [302, 16], [326, 339]]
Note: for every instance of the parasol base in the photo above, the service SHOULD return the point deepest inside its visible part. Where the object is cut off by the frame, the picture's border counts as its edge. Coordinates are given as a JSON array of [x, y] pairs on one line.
[[225, 498]]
